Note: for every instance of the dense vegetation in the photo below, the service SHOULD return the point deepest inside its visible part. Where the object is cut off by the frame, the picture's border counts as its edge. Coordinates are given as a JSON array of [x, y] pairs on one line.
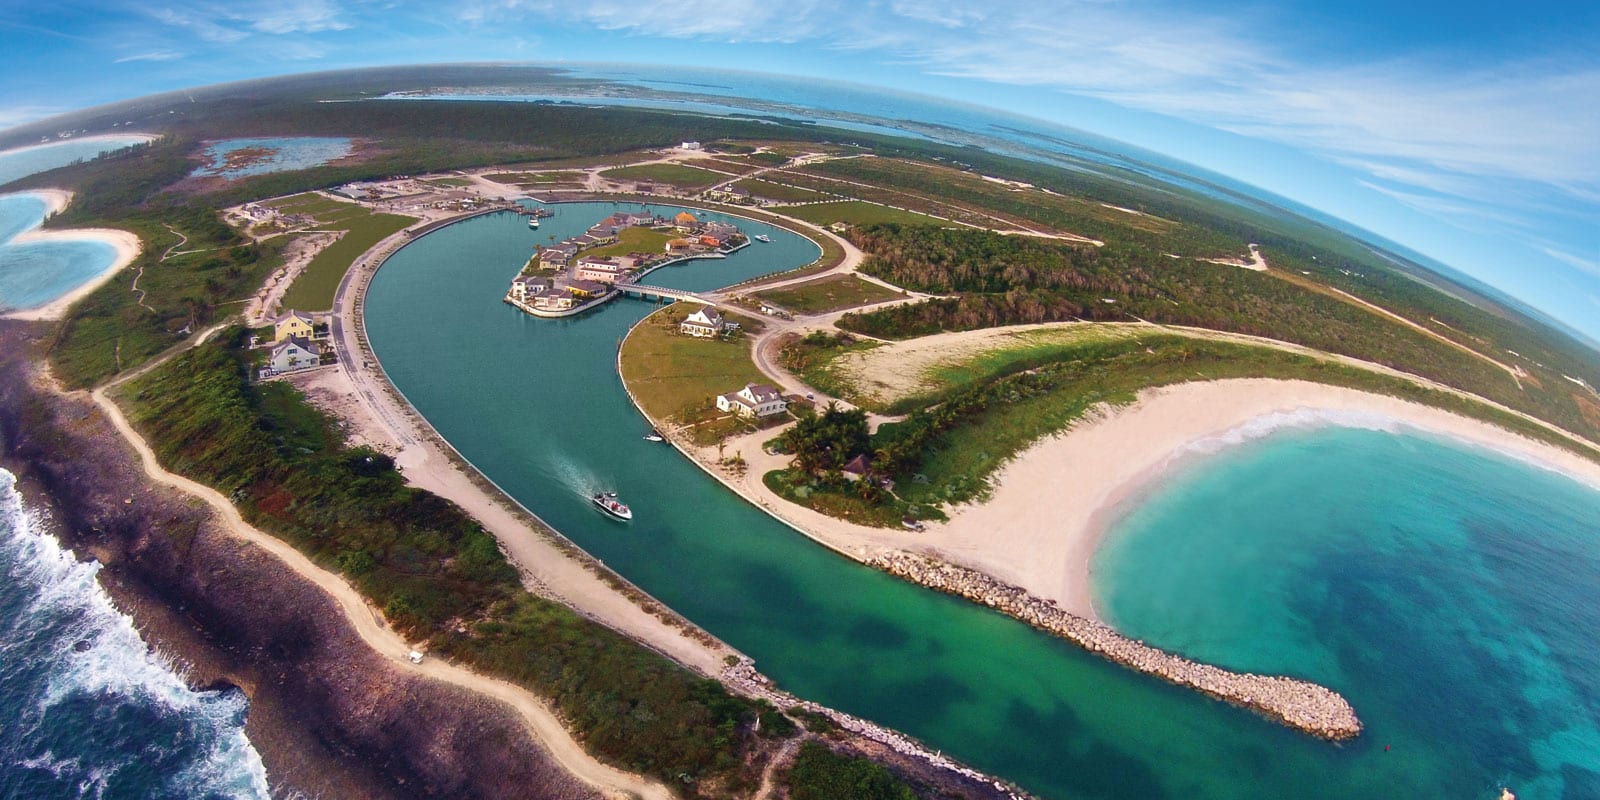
[[821, 774], [117, 327], [1002, 280], [437, 575]]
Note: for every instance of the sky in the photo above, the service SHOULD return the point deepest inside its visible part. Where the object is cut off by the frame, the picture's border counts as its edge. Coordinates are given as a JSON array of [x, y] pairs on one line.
[[1468, 130]]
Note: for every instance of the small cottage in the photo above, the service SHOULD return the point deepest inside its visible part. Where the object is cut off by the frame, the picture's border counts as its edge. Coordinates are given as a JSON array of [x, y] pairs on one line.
[[704, 323], [754, 400]]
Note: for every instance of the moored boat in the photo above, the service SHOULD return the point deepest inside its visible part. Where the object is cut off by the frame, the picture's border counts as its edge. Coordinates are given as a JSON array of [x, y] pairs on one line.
[[533, 222], [608, 502], [654, 436], [761, 237]]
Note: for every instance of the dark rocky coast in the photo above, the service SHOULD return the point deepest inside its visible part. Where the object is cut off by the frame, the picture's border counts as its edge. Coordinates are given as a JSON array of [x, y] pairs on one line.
[[329, 717]]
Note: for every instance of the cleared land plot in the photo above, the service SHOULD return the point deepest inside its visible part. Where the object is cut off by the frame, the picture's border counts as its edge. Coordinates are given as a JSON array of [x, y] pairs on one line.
[[449, 183], [856, 212], [672, 374], [728, 164], [313, 290], [674, 174], [1036, 206], [634, 240], [828, 294], [779, 192], [522, 178]]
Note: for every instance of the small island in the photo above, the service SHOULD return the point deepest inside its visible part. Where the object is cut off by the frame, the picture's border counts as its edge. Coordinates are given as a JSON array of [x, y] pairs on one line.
[[607, 260]]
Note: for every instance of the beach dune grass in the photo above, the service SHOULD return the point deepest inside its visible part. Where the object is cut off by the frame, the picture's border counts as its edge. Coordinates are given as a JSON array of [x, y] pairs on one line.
[[828, 294], [672, 374], [857, 212]]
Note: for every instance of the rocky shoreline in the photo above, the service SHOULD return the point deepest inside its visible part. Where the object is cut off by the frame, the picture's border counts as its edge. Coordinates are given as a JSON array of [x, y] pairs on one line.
[[330, 717], [1298, 704]]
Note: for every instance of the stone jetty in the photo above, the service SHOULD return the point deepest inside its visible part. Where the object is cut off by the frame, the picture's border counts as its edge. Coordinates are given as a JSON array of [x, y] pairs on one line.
[[1298, 704]]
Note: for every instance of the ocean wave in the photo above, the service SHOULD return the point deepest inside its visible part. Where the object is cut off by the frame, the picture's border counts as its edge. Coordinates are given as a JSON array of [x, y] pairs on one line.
[[88, 699]]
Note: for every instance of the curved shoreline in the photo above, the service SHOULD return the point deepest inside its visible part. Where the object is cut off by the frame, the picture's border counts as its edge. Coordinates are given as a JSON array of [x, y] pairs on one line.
[[487, 502], [1302, 705], [125, 245]]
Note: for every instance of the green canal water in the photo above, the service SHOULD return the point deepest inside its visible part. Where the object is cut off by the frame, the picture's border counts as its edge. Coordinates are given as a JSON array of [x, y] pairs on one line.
[[537, 405]]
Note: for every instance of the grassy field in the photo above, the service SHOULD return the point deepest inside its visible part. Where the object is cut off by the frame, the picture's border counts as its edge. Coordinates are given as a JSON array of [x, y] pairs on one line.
[[672, 374], [779, 192], [855, 212], [313, 290], [524, 178], [634, 240], [828, 294], [450, 183], [674, 174]]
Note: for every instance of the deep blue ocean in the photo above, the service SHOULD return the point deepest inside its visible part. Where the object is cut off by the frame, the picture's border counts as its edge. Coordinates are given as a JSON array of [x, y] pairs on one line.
[[86, 709]]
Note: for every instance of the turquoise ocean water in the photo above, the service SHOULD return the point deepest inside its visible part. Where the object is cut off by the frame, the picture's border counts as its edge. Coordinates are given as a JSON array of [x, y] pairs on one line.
[[538, 406], [1451, 593], [35, 273]]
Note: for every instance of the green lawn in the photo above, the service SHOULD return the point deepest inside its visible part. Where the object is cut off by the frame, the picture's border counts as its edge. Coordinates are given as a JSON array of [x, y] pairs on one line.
[[634, 240], [779, 192], [519, 178], [449, 183], [313, 290], [674, 174], [672, 374], [828, 294], [856, 212]]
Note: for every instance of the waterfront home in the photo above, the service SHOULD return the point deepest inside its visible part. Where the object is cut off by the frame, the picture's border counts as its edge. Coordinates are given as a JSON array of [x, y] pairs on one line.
[[680, 245], [721, 229], [703, 323], [526, 286], [554, 301], [294, 323], [685, 221], [585, 289], [754, 400], [295, 353], [604, 270], [857, 468]]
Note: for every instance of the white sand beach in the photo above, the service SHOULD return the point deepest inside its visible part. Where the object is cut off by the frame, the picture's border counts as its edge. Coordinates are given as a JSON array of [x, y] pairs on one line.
[[126, 245], [1052, 504]]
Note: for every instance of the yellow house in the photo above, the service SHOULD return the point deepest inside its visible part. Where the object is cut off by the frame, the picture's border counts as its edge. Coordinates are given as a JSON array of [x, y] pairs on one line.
[[685, 221], [293, 323]]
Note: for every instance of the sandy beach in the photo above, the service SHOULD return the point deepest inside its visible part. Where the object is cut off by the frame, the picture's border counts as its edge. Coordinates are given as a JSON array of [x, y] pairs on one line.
[[126, 245], [1052, 504]]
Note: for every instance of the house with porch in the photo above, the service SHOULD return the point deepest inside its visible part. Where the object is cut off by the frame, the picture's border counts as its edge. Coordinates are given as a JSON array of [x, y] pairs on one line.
[[704, 323], [293, 323], [754, 400], [526, 287], [294, 353], [604, 270]]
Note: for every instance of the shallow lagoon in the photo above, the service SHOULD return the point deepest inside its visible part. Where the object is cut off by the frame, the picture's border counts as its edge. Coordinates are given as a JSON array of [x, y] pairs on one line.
[[287, 153], [35, 273]]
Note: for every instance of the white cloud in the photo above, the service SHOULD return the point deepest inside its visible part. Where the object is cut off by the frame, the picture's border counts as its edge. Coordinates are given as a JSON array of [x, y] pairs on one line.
[[1427, 124], [13, 116], [153, 55], [1589, 265]]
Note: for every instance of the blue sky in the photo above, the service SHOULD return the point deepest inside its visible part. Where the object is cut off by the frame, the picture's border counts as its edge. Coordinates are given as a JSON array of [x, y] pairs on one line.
[[1468, 130]]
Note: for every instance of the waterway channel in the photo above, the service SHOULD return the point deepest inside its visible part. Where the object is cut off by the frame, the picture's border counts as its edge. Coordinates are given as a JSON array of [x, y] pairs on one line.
[[537, 405]]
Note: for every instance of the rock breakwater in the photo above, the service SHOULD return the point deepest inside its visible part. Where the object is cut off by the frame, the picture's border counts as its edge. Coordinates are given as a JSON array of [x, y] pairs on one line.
[[1299, 704]]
